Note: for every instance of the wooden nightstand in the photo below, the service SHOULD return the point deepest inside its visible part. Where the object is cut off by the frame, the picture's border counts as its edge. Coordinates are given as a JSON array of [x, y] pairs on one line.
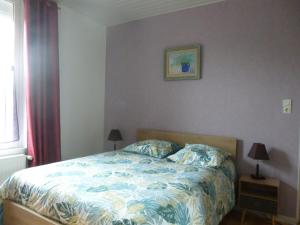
[[258, 195]]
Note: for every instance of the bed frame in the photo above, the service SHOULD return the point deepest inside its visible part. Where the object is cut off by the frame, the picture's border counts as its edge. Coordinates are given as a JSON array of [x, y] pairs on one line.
[[16, 214]]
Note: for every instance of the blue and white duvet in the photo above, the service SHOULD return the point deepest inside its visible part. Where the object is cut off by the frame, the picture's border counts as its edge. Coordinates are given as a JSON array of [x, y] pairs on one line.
[[124, 188]]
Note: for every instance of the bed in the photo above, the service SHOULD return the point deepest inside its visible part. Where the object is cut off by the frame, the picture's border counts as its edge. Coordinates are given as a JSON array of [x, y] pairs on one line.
[[123, 188]]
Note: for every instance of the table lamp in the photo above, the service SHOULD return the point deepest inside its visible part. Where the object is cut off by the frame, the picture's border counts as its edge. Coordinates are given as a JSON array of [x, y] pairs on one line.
[[258, 151], [115, 135]]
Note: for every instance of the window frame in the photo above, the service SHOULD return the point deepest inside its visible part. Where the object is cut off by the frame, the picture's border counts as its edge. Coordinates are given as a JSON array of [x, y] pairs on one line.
[[18, 147]]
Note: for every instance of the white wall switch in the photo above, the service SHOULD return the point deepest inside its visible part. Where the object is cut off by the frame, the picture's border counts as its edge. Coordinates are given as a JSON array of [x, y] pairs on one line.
[[287, 106]]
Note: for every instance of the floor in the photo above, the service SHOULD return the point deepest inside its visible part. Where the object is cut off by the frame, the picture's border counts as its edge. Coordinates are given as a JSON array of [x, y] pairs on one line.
[[234, 218]]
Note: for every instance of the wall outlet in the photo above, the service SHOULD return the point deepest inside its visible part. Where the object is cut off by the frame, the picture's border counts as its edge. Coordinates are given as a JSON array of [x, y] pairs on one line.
[[287, 106]]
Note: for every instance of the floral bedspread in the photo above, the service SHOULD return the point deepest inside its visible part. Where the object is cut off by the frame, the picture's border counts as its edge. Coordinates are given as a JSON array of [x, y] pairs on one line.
[[124, 188]]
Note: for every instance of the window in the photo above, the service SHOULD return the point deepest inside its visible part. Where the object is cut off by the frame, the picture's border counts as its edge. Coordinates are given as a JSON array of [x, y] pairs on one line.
[[9, 130], [12, 100]]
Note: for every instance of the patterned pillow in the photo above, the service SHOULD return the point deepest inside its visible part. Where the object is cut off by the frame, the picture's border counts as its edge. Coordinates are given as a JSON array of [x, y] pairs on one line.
[[155, 148], [200, 155]]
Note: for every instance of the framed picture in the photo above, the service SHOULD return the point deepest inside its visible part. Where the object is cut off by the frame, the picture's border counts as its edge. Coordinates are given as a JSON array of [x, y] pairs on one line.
[[182, 63]]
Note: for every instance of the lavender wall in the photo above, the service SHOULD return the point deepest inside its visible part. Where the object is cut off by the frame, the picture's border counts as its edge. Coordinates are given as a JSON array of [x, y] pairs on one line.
[[251, 61]]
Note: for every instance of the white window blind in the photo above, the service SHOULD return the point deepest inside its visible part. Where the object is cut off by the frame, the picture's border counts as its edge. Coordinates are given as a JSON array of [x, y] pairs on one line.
[[12, 100], [9, 129]]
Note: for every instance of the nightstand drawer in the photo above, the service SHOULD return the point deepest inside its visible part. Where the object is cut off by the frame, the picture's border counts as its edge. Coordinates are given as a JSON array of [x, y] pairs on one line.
[[263, 190], [262, 205]]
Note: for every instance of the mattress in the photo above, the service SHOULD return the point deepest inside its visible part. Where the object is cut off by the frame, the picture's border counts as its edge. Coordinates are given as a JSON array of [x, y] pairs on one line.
[[124, 188]]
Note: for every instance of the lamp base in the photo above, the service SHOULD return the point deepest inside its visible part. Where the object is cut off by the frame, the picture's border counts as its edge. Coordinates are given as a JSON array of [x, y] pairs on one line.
[[257, 177]]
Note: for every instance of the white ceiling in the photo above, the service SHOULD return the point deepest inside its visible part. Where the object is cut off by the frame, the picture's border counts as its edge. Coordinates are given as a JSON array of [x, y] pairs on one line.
[[113, 12]]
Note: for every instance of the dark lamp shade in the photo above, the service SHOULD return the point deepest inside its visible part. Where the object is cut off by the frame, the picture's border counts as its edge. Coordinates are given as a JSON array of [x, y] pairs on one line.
[[115, 135], [258, 151]]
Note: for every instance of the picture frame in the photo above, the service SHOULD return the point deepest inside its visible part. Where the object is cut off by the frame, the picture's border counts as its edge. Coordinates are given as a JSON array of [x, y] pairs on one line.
[[182, 63]]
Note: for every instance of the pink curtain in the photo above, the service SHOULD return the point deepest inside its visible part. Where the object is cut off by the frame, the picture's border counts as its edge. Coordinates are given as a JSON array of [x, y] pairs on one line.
[[42, 77]]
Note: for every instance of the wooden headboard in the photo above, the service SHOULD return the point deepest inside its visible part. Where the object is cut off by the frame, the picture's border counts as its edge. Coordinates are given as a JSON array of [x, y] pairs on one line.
[[229, 144]]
